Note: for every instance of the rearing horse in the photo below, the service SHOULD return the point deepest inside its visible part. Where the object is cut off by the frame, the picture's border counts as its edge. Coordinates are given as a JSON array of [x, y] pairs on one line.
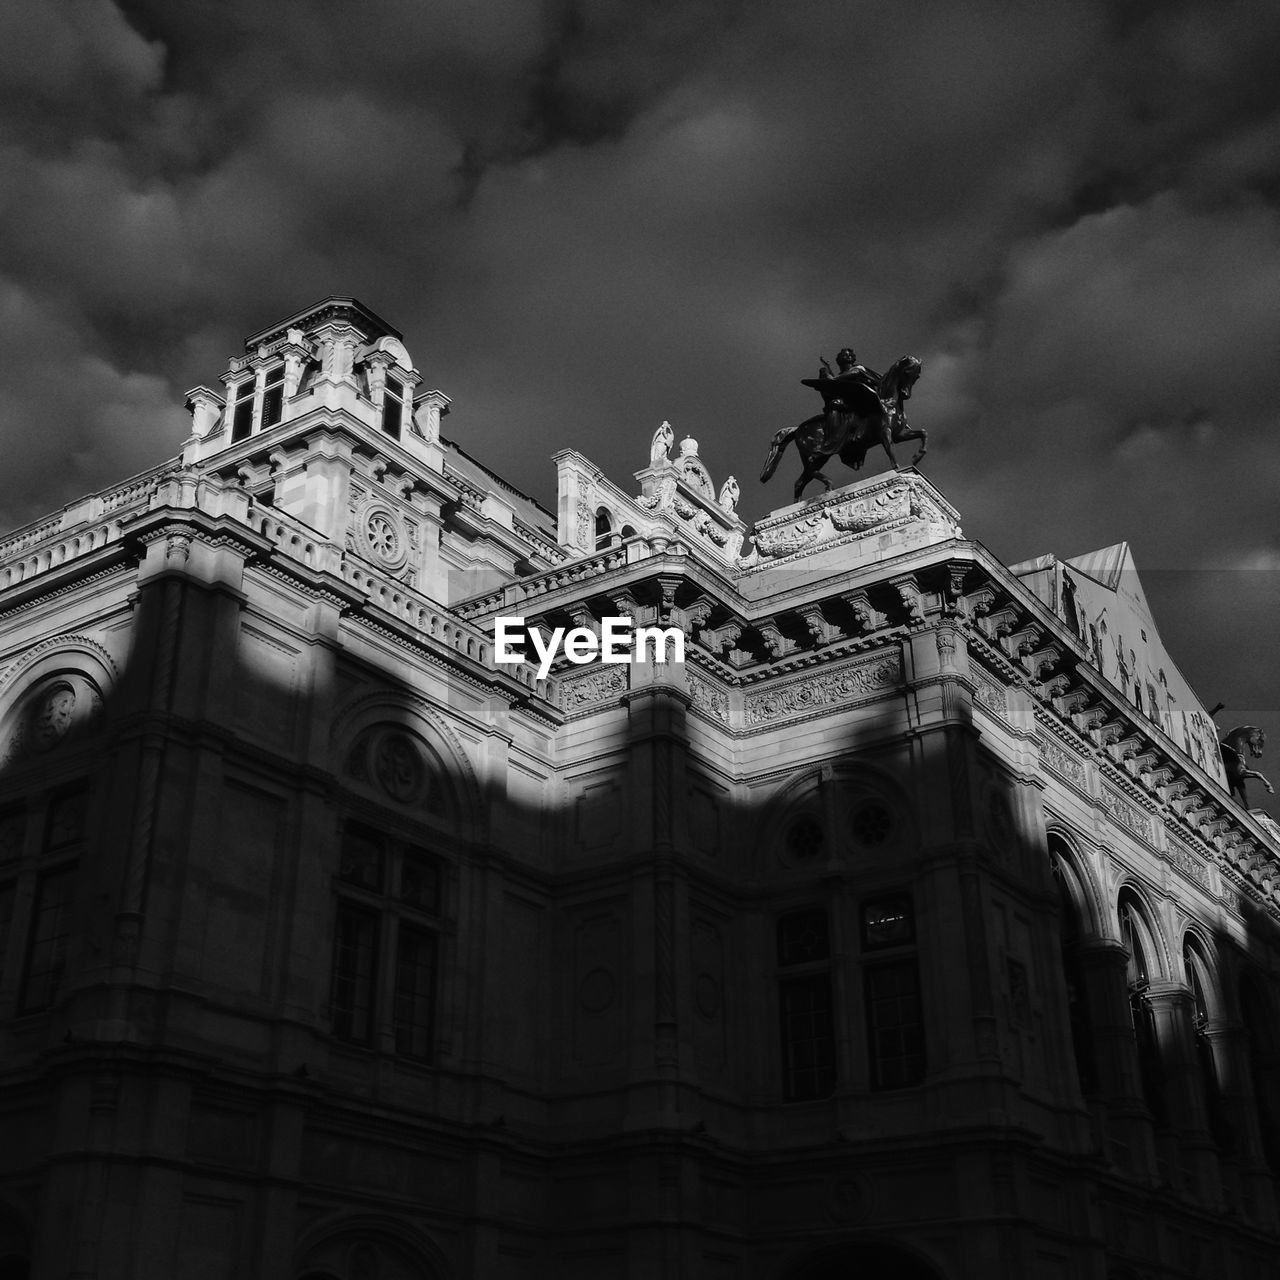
[[876, 418], [1247, 738]]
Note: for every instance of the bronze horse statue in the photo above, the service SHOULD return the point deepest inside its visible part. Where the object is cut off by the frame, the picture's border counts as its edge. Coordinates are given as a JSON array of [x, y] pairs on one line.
[[873, 415], [1249, 739]]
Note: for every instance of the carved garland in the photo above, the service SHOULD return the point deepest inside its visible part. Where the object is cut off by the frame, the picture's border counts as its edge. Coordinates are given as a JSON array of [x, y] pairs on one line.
[[826, 692]]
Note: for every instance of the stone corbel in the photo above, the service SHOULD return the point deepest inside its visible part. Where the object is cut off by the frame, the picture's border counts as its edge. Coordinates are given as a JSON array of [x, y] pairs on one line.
[[1112, 731], [625, 605], [954, 601], [1090, 719], [724, 638], [1000, 622], [865, 618], [1212, 830], [1142, 764], [779, 645], [1019, 644], [668, 587], [1055, 687], [1043, 660], [822, 631], [909, 595], [581, 616], [1126, 748]]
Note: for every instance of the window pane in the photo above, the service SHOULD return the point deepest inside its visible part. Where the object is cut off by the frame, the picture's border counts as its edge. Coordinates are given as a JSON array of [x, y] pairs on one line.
[[413, 1014], [7, 892], [274, 375], [13, 830], [887, 922], [355, 960], [272, 406], [392, 412], [895, 1025], [66, 820], [808, 1038], [361, 858], [803, 938], [50, 933], [420, 881], [242, 418]]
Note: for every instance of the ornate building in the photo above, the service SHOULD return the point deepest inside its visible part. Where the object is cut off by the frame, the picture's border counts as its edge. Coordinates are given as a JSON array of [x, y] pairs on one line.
[[906, 928]]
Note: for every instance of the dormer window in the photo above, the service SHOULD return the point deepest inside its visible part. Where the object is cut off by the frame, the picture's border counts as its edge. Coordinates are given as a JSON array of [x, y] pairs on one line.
[[393, 407], [273, 397], [272, 410], [242, 413]]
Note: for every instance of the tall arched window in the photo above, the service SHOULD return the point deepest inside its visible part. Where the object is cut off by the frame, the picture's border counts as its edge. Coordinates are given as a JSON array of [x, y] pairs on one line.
[[1138, 942], [1070, 901], [604, 529], [1258, 1016], [1199, 979]]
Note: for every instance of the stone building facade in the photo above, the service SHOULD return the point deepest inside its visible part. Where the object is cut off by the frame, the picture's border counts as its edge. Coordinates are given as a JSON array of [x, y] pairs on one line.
[[905, 928]]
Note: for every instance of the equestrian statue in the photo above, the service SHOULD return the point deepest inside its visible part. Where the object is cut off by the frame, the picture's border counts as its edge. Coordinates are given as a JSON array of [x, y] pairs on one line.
[[860, 409], [1247, 738]]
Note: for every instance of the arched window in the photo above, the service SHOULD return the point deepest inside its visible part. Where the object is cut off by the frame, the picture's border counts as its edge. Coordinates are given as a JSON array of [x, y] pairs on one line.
[[1137, 939], [1258, 1016], [1072, 930], [1198, 978], [604, 529]]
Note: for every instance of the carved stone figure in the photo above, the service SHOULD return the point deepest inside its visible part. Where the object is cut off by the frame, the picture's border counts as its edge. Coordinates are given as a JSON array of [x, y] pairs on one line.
[[860, 409], [729, 494], [660, 445], [54, 717], [1247, 738]]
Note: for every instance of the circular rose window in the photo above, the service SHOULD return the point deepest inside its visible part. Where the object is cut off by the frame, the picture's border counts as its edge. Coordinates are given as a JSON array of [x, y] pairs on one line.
[[383, 536]]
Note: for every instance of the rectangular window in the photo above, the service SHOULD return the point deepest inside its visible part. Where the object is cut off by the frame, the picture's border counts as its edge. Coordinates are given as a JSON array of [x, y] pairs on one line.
[[803, 938], [13, 831], [808, 1038], [420, 881], [50, 934], [806, 1006], [393, 408], [65, 824], [895, 1025], [887, 922], [362, 858], [242, 413], [413, 1014], [273, 397], [7, 894], [355, 962]]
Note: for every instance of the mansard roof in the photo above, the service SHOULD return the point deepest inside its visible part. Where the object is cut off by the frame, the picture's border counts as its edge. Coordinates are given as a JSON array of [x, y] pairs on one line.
[[334, 307]]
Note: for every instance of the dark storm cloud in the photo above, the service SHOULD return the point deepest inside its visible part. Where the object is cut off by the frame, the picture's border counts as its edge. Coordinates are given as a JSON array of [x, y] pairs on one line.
[[588, 217]]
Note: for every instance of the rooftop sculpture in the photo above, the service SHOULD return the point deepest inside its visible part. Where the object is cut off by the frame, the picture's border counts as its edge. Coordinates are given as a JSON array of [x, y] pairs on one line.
[[860, 409]]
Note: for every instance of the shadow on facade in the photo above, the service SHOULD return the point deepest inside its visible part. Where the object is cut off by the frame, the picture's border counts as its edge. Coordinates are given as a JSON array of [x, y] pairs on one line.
[[321, 963]]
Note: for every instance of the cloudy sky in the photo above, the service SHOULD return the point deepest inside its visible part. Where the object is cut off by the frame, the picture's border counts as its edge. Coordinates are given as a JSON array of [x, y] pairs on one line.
[[587, 216]]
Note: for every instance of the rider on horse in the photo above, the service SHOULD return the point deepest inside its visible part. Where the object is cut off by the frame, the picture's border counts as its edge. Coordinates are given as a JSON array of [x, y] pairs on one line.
[[844, 395]]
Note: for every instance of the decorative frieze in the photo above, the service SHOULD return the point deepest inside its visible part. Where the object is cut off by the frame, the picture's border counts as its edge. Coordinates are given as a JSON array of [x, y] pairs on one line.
[[1125, 813], [1063, 763], [709, 699], [870, 508], [1189, 863], [992, 696], [576, 693], [830, 690]]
